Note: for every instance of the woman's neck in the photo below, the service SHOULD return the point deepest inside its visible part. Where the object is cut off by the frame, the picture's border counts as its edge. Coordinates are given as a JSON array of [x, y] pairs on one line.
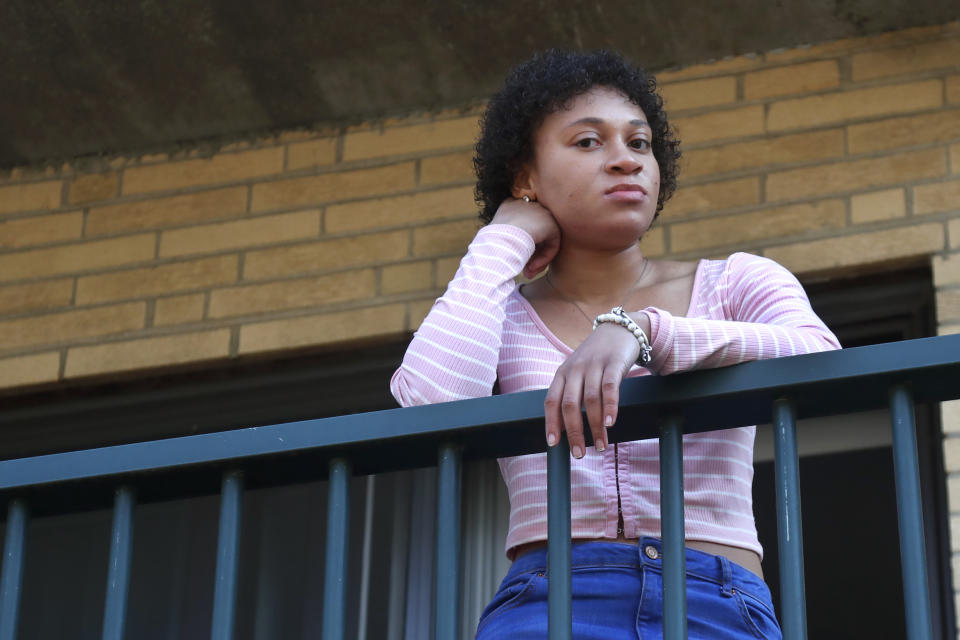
[[598, 278]]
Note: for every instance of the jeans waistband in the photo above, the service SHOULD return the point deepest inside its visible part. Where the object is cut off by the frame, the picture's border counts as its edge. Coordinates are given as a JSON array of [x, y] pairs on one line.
[[648, 553]]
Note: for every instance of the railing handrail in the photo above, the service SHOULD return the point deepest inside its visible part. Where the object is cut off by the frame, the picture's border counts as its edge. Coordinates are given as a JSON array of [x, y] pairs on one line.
[[832, 382]]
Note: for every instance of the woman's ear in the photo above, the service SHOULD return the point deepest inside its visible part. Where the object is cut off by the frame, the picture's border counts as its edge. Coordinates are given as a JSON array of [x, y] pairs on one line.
[[523, 184]]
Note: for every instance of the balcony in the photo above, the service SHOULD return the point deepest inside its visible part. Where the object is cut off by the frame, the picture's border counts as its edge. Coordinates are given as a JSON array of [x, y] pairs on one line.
[[895, 375]]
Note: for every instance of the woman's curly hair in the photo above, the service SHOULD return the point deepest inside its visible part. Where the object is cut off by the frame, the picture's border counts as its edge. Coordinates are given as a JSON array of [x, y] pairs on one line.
[[547, 83]]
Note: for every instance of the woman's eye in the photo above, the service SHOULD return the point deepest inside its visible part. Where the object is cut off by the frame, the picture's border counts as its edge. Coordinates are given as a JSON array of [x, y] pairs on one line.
[[640, 144], [587, 143]]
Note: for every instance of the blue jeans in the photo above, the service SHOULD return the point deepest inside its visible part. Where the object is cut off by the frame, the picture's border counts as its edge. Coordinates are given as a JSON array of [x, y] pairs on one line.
[[618, 593]]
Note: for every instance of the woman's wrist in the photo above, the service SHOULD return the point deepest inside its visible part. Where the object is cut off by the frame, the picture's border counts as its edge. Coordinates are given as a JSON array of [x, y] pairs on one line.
[[640, 334], [643, 321]]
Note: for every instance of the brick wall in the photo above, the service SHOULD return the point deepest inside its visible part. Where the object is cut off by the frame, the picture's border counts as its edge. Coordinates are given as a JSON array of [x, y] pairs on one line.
[[825, 157]]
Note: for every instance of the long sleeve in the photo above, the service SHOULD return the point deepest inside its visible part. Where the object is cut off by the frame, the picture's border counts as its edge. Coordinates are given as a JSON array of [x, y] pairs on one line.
[[454, 353], [756, 310]]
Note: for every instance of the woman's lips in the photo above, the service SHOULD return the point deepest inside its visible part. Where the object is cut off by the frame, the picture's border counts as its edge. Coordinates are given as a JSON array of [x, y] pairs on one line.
[[626, 193]]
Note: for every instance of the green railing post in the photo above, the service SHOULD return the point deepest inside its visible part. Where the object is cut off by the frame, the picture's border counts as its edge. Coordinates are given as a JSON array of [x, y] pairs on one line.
[[335, 572], [447, 614], [559, 610], [672, 530], [118, 573], [906, 469], [793, 602], [228, 556], [11, 580]]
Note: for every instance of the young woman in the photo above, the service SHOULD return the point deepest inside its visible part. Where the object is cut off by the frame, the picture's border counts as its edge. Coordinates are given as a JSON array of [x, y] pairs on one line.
[[575, 161]]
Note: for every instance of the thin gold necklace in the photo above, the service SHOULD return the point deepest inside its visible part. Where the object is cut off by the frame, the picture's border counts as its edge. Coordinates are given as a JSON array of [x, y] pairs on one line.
[[643, 270]]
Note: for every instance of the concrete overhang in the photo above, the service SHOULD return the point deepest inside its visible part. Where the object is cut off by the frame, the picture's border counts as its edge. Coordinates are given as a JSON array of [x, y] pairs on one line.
[[83, 78]]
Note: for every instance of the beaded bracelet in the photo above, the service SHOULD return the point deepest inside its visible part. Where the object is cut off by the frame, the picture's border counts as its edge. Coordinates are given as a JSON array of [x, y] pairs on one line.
[[618, 316]]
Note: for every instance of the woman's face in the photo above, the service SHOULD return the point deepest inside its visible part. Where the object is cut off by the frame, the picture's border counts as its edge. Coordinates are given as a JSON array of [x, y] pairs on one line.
[[594, 169]]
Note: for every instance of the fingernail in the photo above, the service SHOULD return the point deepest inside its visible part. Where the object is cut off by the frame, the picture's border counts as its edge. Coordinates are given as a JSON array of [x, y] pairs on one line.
[[551, 439], [577, 451], [601, 445], [608, 421]]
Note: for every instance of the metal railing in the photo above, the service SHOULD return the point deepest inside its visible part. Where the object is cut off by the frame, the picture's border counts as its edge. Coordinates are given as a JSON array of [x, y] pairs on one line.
[[894, 375]]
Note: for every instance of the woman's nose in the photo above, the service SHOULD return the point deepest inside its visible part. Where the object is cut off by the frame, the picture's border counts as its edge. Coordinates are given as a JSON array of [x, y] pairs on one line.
[[623, 160]]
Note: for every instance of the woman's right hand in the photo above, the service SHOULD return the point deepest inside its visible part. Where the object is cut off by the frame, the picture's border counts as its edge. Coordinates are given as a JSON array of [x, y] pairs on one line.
[[536, 220]]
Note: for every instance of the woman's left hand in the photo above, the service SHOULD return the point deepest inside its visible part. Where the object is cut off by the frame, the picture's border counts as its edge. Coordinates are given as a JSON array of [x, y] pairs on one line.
[[590, 378]]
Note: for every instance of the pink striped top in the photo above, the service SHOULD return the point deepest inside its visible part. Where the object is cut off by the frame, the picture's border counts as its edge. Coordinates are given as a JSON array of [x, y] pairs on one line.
[[482, 330]]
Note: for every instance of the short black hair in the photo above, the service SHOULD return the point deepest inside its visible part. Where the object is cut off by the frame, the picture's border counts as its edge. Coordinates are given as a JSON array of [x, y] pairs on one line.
[[547, 83]]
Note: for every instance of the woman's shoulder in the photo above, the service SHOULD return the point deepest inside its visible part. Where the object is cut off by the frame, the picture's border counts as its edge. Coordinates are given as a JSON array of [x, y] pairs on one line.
[[740, 264], [739, 271]]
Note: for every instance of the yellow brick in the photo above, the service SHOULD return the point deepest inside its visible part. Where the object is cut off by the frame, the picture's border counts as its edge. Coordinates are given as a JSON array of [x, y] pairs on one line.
[[77, 257], [404, 278], [178, 310], [948, 329], [948, 305], [157, 280], [758, 225], [227, 167], [311, 154], [879, 205], [28, 174], [950, 419], [798, 78], [953, 228], [400, 210], [292, 294], [418, 311], [344, 185], [443, 134], [953, 89], [955, 159], [147, 353], [446, 269], [953, 483], [167, 212], [797, 147], [717, 67], [452, 167], [653, 241], [904, 60], [71, 325], [323, 329], [93, 188], [862, 248], [851, 105], [24, 232], [855, 176], [30, 197], [35, 296], [933, 198], [34, 369], [241, 233], [699, 93], [712, 197], [341, 253], [296, 136], [946, 270], [732, 123], [445, 238], [896, 133]]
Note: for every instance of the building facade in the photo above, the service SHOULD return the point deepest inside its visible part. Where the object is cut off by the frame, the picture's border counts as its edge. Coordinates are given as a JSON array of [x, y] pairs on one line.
[[839, 160]]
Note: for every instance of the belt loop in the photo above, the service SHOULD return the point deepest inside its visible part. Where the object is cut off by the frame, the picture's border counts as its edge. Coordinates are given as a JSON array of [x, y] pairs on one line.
[[726, 576]]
